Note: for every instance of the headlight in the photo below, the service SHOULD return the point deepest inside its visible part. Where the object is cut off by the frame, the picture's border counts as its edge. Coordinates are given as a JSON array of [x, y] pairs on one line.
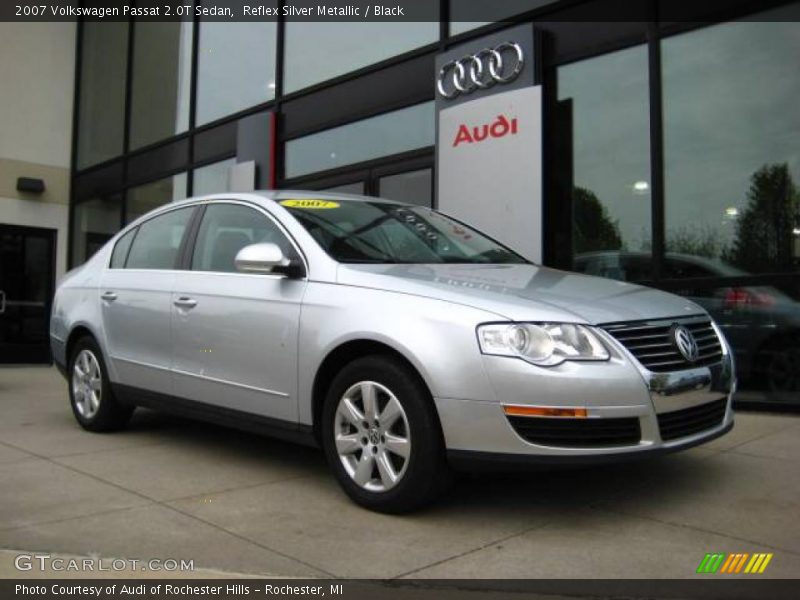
[[545, 344]]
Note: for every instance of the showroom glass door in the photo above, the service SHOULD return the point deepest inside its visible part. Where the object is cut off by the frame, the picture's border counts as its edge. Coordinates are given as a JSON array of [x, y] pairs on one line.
[[409, 180], [27, 261]]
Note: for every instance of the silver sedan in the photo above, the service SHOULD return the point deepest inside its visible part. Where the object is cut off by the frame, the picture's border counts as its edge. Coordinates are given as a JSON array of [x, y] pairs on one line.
[[402, 341]]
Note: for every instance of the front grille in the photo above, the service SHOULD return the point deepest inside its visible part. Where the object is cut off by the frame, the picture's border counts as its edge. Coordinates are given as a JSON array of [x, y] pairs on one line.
[[688, 421], [577, 433], [652, 345]]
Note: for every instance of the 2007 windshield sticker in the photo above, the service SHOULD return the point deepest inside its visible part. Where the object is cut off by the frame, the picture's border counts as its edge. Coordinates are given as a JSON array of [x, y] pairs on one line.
[[309, 203]]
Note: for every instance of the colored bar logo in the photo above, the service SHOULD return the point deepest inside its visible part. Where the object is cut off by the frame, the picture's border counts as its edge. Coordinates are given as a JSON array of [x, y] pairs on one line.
[[737, 562]]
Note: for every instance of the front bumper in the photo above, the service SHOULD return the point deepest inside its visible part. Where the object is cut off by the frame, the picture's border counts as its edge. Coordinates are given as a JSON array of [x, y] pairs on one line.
[[671, 411], [470, 460]]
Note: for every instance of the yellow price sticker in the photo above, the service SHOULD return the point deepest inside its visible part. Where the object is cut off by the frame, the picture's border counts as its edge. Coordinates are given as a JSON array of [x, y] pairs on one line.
[[309, 203]]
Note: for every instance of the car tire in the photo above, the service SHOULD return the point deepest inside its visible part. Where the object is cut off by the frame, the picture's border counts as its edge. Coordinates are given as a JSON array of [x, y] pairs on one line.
[[365, 453], [90, 393], [782, 369]]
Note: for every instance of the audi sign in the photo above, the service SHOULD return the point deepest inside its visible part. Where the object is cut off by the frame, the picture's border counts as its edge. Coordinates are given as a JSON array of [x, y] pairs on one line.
[[480, 70], [488, 136]]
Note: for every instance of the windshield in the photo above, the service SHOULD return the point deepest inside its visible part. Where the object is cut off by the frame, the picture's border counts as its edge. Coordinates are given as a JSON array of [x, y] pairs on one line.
[[359, 231]]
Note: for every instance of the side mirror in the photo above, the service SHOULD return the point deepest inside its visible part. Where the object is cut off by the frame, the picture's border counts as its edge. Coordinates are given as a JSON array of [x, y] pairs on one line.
[[261, 258]]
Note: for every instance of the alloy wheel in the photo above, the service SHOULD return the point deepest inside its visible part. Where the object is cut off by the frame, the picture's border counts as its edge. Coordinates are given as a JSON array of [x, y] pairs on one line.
[[87, 384], [372, 436]]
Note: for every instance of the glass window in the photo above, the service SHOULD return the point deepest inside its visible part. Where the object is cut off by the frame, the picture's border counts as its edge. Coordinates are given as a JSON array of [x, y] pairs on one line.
[[95, 222], [732, 202], [319, 51], [731, 156], [468, 14], [358, 231], [121, 248], [157, 243], [605, 102], [144, 198], [235, 67], [390, 133], [414, 187], [101, 114], [356, 188], [760, 324], [213, 178], [226, 229], [161, 80], [624, 266]]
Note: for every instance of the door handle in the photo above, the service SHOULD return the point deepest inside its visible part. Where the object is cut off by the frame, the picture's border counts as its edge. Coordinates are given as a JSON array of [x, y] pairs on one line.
[[185, 302], [109, 296]]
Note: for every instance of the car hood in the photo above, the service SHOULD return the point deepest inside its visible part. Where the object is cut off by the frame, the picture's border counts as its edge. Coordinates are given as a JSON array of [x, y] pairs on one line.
[[523, 292]]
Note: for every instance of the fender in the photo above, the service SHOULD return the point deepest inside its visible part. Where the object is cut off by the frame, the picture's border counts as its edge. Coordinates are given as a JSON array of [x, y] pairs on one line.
[[334, 314]]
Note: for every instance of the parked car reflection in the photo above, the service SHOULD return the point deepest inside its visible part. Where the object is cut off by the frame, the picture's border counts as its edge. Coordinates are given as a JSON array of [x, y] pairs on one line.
[[761, 322]]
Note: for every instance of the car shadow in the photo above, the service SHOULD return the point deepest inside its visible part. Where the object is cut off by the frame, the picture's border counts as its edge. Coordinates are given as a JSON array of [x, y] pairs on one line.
[[574, 487], [234, 442]]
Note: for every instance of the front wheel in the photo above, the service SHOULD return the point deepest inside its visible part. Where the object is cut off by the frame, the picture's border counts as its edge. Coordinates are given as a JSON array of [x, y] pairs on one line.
[[90, 394], [382, 437]]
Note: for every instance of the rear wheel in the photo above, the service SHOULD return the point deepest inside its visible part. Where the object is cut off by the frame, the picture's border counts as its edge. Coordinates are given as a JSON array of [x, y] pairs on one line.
[[92, 399], [381, 436]]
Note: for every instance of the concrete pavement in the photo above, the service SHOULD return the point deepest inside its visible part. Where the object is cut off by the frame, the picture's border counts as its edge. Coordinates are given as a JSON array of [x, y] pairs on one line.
[[234, 502]]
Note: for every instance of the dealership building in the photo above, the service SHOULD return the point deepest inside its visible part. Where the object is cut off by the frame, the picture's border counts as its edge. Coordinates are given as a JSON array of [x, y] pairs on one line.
[[665, 148]]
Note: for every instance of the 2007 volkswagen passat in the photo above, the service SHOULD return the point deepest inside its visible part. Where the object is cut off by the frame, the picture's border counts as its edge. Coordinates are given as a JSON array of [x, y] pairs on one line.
[[402, 341]]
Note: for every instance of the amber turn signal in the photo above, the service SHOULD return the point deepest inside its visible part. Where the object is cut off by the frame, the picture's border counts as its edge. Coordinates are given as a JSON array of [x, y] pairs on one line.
[[543, 411]]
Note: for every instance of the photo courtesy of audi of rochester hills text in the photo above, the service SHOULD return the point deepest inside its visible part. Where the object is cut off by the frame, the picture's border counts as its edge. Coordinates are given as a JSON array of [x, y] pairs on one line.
[[399, 299]]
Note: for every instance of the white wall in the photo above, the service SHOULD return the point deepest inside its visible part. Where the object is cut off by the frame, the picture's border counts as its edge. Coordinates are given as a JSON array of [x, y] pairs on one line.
[[37, 70]]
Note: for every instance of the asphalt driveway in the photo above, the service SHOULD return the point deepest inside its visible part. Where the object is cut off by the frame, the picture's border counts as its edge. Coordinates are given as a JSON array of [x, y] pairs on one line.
[[229, 501]]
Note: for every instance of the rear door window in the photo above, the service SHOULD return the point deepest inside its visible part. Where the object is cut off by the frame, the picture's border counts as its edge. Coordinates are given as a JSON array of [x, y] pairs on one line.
[[158, 241], [121, 249]]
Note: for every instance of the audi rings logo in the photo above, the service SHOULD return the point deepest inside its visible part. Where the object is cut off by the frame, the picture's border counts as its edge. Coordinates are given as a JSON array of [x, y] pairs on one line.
[[481, 70], [685, 342]]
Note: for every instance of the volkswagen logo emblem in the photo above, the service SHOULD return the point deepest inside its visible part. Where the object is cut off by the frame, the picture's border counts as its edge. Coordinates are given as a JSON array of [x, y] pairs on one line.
[[685, 343], [481, 70], [374, 436]]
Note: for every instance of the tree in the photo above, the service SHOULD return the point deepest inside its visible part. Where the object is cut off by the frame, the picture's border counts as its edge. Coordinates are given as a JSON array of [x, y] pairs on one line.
[[697, 240], [594, 229], [764, 231]]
